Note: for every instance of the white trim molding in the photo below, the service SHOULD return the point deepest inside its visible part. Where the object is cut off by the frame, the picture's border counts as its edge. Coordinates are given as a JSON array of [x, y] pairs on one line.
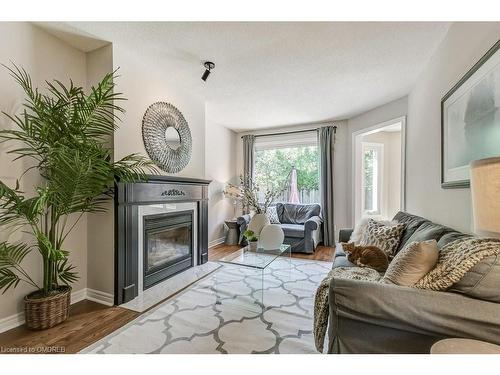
[[12, 321], [100, 297], [356, 143], [103, 298], [216, 242]]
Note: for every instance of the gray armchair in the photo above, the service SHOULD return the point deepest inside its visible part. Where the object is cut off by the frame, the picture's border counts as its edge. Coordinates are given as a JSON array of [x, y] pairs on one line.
[[301, 224]]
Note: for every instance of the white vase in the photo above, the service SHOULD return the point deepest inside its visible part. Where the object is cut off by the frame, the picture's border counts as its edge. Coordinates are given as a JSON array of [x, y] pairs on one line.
[[257, 223], [271, 237]]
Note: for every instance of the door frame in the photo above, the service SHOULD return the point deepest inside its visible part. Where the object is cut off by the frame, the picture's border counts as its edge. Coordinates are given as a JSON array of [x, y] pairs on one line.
[[369, 130]]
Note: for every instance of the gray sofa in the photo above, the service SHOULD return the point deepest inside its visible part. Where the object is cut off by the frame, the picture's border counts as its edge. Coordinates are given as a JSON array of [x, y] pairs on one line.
[[368, 317], [301, 224]]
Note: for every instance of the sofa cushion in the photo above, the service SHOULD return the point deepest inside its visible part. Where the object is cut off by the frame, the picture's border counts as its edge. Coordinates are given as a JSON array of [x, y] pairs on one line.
[[290, 213], [429, 231], [293, 230], [342, 261], [412, 222], [481, 281], [385, 237], [450, 237]]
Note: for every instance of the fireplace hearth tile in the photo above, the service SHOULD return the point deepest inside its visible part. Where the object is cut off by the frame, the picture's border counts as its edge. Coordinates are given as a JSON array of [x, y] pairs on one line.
[[169, 287]]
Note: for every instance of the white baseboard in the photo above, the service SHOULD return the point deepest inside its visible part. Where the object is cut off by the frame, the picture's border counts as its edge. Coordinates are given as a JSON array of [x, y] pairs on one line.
[[103, 298], [12, 321], [78, 296], [216, 242], [100, 297]]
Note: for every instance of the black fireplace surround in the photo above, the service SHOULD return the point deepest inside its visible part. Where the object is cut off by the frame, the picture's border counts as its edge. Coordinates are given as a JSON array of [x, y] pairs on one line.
[[168, 238]]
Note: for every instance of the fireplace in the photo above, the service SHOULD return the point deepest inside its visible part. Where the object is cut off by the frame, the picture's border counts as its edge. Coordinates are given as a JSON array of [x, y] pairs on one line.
[[161, 230], [168, 245]]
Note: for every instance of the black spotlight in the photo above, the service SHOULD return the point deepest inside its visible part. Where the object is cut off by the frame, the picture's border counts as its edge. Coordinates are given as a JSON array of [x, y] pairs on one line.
[[208, 67]]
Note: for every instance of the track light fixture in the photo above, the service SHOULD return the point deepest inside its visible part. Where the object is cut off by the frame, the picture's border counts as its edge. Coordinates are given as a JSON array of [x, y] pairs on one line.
[[208, 67]]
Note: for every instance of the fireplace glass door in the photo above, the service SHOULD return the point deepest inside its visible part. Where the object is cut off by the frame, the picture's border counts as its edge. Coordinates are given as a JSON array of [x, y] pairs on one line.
[[168, 245]]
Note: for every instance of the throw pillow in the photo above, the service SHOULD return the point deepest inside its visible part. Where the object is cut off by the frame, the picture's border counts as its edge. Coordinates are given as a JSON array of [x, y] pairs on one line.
[[412, 263], [272, 215], [359, 229], [385, 237], [456, 259], [482, 280]]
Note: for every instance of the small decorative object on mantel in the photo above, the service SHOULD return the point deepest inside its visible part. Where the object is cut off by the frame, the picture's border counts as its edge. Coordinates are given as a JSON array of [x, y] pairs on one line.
[[470, 120], [167, 137]]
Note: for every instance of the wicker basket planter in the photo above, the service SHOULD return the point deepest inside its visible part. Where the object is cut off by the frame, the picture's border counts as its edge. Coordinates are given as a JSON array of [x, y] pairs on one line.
[[46, 312]]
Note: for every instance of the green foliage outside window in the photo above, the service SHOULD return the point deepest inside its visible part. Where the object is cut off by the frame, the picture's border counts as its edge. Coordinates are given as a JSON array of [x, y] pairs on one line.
[[273, 167]]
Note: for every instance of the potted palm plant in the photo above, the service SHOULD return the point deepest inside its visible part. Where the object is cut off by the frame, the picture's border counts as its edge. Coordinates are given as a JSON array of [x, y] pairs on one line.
[[65, 134]]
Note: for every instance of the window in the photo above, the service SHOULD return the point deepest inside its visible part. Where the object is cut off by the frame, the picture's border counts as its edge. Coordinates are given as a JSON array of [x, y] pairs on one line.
[[371, 177], [281, 162]]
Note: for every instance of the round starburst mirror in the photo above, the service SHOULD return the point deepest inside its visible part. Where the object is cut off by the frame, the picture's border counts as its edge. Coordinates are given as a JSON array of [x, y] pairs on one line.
[[166, 137]]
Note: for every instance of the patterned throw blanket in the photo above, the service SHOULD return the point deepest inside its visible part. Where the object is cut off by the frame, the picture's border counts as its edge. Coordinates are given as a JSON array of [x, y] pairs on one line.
[[321, 307], [455, 259]]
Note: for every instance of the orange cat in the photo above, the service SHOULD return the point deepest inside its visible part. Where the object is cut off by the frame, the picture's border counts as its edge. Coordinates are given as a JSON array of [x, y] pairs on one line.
[[366, 256]]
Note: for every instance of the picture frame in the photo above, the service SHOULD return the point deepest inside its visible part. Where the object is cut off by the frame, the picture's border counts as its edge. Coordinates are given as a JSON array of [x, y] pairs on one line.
[[470, 120]]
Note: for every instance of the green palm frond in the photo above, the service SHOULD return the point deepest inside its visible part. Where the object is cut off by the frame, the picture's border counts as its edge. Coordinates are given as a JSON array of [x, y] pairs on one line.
[[66, 272], [8, 279], [65, 132], [131, 168], [11, 270]]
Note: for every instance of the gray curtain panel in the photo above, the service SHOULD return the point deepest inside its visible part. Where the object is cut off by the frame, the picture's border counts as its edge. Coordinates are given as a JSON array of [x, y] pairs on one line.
[[326, 141], [248, 155], [248, 161]]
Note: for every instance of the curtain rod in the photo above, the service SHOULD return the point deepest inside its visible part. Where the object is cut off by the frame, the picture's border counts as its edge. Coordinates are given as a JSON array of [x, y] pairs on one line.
[[292, 132]]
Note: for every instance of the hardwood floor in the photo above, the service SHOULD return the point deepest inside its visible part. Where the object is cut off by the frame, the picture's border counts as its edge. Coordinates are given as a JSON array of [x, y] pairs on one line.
[[88, 322], [323, 253], [91, 321]]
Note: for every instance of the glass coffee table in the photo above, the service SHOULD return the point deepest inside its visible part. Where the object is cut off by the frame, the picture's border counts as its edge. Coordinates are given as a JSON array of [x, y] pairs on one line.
[[256, 262]]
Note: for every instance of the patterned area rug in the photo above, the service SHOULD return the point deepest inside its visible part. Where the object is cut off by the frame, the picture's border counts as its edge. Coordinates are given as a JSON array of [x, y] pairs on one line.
[[227, 312]]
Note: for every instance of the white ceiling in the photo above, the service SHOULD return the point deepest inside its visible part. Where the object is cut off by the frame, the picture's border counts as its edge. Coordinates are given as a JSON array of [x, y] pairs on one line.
[[273, 74]]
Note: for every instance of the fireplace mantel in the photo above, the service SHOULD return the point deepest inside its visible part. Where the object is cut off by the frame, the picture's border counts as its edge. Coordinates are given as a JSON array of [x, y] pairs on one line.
[[157, 190]]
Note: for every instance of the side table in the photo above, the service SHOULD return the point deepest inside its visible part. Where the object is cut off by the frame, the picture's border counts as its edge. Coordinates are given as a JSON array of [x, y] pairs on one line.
[[233, 232], [464, 346]]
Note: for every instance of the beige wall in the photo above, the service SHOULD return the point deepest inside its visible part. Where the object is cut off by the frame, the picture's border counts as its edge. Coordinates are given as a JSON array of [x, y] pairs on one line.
[[100, 226], [220, 167], [463, 46], [386, 112], [44, 57], [144, 82]]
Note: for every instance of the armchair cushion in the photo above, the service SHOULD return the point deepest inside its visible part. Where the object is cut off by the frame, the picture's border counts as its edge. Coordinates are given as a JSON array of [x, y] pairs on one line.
[[290, 213], [293, 230]]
